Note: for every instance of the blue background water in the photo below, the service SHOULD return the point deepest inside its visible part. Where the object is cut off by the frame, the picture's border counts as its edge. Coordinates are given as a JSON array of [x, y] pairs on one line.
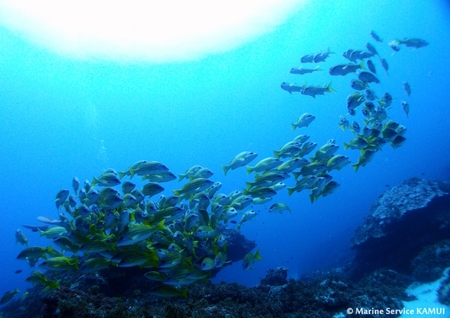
[[62, 118]]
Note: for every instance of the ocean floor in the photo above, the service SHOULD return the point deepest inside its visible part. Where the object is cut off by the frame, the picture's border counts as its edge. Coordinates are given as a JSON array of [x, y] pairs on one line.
[[427, 300]]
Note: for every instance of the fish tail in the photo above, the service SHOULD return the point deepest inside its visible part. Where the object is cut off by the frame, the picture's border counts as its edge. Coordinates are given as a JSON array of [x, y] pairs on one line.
[[293, 126], [181, 177], [258, 256], [225, 169], [356, 167], [290, 190], [122, 174], [94, 181], [276, 154], [346, 146], [249, 169], [311, 198], [361, 65], [330, 89]]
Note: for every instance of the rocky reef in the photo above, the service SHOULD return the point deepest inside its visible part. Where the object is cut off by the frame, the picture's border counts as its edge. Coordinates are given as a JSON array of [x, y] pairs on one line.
[[401, 229], [324, 294]]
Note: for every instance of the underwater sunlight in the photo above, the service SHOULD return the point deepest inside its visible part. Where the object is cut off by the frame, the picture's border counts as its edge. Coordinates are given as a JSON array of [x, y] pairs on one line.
[[141, 30]]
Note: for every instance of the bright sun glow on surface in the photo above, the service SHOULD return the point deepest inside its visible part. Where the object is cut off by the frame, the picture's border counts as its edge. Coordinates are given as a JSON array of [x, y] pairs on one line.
[[157, 31]]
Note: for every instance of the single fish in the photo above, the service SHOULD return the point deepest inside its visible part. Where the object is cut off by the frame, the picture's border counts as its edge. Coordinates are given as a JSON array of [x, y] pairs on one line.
[[413, 42], [250, 258], [313, 91], [302, 70], [337, 162], [151, 189], [371, 49], [405, 107], [207, 264], [364, 159], [397, 142], [358, 85], [344, 123], [344, 69], [303, 121], [407, 88], [189, 172], [354, 100], [265, 164], [290, 87], [309, 58], [371, 66], [240, 160], [246, 217], [368, 77], [375, 36], [106, 179], [75, 184], [385, 65], [321, 57], [279, 207], [8, 296], [21, 238]]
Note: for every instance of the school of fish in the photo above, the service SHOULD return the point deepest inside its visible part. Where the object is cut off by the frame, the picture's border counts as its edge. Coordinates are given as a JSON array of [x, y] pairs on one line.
[[375, 128], [178, 239]]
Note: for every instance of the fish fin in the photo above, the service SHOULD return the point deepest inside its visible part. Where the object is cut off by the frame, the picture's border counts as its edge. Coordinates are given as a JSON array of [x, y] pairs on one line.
[[330, 89], [258, 256], [290, 190], [361, 65], [225, 169]]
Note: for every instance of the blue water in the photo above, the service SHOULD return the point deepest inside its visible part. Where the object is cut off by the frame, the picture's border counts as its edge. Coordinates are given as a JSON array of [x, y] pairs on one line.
[[62, 117]]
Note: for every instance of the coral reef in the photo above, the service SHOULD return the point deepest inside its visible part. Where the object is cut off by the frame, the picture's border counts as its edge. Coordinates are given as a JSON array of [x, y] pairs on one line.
[[322, 295], [276, 277], [431, 261], [403, 221]]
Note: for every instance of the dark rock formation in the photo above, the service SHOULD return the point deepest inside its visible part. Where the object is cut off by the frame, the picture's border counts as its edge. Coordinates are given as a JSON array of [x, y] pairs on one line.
[[444, 290], [237, 245], [431, 261], [275, 277], [403, 220]]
